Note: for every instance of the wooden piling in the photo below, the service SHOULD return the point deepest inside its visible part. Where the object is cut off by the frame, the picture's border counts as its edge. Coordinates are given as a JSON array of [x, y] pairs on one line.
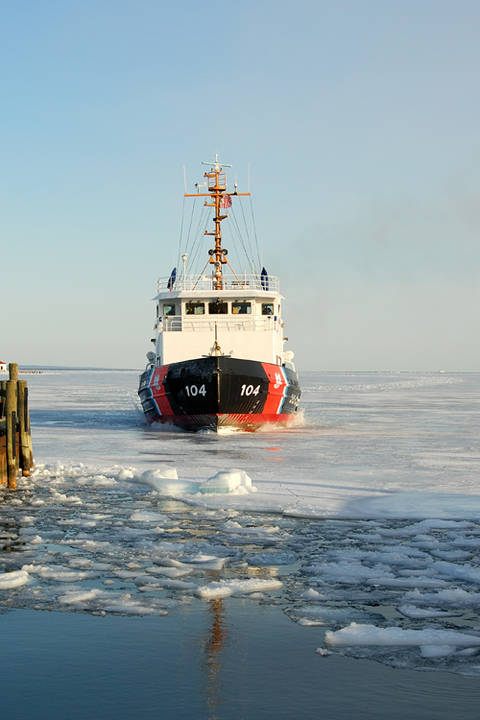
[[3, 433], [3, 451], [3, 393], [28, 429], [11, 417], [26, 460], [15, 436]]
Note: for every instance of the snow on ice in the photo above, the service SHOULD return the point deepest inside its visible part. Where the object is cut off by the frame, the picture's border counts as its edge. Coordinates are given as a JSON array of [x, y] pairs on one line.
[[364, 635], [14, 579]]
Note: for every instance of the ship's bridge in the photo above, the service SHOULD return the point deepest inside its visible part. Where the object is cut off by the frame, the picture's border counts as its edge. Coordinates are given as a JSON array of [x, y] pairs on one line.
[[245, 317]]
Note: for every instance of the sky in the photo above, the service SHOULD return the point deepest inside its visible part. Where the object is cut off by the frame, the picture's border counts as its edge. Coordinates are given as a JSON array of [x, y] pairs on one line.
[[360, 122]]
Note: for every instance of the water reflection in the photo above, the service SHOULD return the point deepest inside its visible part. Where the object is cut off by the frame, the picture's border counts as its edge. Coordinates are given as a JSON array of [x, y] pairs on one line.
[[213, 655], [10, 537]]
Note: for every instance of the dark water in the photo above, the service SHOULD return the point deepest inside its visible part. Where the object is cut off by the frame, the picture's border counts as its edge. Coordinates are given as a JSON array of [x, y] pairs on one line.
[[222, 660]]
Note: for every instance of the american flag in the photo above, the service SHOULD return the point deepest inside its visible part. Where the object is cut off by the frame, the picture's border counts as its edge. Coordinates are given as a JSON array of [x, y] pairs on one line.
[[226, 201]]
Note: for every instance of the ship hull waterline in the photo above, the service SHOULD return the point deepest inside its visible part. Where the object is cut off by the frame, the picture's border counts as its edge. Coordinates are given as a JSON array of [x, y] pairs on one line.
[[215, 392]]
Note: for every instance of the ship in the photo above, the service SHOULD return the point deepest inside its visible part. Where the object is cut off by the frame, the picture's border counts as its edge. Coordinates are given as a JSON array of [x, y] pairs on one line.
[[219, 357]]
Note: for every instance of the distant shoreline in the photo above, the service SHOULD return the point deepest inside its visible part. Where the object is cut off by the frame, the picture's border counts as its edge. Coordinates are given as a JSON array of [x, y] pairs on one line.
[[33, 369]]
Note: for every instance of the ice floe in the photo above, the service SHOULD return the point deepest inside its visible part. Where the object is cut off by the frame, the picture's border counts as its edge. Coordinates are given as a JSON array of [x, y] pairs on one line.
[[225, 588], [58, 573], [109, 601], [224, 482], [412, 611], [14, 579], [235, 482], [358, 634]]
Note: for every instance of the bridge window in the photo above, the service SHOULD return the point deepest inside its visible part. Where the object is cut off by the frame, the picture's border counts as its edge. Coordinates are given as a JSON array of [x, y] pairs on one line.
[[217, 308], [195, 308], [267, 308], [169, 308], [241, 307]]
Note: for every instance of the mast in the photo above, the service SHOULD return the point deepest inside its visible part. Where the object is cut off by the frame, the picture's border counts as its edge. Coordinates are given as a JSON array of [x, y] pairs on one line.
[[217, 186]]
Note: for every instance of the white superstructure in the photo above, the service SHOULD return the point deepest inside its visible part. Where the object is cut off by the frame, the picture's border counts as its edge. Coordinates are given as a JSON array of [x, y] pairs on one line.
[[244, 317]]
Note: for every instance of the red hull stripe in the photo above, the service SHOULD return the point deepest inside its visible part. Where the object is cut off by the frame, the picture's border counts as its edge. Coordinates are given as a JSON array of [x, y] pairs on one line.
[[229, 419], [277, 384], [158, 390]]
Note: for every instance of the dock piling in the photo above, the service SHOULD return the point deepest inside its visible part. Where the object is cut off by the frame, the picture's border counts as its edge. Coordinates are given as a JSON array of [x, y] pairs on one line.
[[11, 415], [15, 436], [26, 460]]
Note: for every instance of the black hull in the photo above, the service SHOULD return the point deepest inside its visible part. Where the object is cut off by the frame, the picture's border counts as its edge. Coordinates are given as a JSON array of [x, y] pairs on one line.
[[213, 392]]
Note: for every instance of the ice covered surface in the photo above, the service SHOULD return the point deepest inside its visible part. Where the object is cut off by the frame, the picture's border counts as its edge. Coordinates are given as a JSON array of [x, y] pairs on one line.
[[225, 588], [14, 579], [373, 445], [228, 482], [366, 635], [124, 548], [369, 514], [166, 481], [108, 601]]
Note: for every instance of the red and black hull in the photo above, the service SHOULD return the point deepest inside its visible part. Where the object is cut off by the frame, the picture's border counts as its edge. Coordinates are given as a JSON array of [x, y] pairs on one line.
[[212, 392]]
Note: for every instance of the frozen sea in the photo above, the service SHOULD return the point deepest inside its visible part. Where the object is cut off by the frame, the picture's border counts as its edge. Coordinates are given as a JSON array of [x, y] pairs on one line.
[[355, 533]]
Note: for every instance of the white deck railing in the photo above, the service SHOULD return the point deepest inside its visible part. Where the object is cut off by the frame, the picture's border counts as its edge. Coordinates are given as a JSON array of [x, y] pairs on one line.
[[177, 323], [206, 283]]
